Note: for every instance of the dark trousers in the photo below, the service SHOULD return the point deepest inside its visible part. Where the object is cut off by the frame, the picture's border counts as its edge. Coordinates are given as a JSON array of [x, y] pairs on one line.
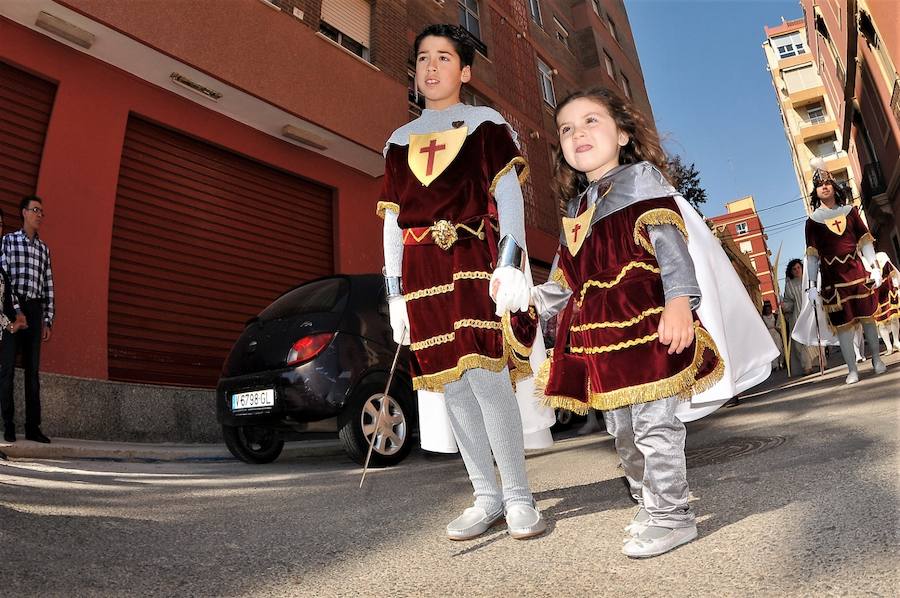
[[27, 340]]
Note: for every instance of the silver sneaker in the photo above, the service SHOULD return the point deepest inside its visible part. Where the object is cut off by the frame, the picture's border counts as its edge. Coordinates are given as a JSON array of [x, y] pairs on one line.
[[655, 541], [639, 523], [525, 521], [878, 365], [852, 378], [472, 523]]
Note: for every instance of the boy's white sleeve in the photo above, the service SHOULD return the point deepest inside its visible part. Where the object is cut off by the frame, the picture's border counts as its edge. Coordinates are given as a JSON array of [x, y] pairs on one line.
[[393, 244], [511, 207]]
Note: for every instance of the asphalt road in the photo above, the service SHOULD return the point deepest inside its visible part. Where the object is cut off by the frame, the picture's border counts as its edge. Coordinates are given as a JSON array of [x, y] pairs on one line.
[[796, 491]]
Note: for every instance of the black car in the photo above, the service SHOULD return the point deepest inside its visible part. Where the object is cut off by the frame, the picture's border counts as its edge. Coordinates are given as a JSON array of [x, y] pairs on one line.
[[317, 359]]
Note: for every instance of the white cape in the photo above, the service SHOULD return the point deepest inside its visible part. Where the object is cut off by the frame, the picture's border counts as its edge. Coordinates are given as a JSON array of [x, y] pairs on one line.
[[436, 435], [728, 314], [811, 314]]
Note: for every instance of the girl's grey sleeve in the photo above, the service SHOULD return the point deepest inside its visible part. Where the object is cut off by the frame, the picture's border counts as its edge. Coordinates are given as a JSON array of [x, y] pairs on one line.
[[812, 269], [676, 266], [550, 298], [393, 244]]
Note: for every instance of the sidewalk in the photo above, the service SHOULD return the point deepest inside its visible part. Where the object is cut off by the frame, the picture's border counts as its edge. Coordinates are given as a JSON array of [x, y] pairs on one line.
[[69, 448]]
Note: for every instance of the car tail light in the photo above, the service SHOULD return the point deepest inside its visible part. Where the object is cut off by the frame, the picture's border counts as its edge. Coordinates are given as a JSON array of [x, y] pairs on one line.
[[308, 347]]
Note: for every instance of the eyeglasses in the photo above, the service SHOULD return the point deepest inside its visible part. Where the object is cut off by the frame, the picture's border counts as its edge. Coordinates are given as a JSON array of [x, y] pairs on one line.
[[36, 210]]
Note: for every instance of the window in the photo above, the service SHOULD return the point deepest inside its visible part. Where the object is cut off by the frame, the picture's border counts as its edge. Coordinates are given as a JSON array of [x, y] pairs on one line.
[[825, 147], [612, 28], [546, 75], [789, 45], [626, 86], [415, 99], [471, 98], [468, 17], [753, 263], [800, 78], [815, 114], [741, 229], [562, 34], [534, 7], [610, 67], [347, 23]]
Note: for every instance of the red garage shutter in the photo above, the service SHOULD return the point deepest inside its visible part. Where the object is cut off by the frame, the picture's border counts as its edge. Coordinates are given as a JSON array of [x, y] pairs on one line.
[[202, 240], [25, 105]]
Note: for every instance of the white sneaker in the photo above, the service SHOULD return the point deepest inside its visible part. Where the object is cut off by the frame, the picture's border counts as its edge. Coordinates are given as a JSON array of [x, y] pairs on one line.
[[655, 541], [472, 523], [524, 521], [878, 365], [852, 378], [638, 523]]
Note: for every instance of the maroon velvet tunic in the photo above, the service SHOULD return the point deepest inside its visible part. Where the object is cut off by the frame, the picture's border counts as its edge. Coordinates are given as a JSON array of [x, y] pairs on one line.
[[888, 296], [611, 323], [452, 322], [848, 294]]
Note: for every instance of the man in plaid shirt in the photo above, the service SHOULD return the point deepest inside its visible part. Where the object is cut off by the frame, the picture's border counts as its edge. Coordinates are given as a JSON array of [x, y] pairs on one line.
[[26, 261]]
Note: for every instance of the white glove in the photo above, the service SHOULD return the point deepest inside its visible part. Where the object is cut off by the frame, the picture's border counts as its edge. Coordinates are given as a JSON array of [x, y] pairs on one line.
[[875, 275], [399, 320], [812, 293], [513, 294]]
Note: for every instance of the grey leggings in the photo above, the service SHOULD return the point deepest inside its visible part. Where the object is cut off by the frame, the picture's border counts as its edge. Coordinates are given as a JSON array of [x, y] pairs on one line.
[[845, 337], [484, 416]]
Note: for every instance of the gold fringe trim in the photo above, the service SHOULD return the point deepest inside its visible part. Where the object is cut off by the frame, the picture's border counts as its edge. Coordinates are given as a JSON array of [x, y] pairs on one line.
[[381, 206], [470, 323], [841, 260], [866, 238], [657, 216], [617, 347], [559, 278], [510, 338], [447, 288], [849, 284], [623, 324], [436, 382], [851, 324], [523, 176], [684, 384], [618, 278], [521, 369], [834, 307], [812, 251], [450, 336], [433, 341]]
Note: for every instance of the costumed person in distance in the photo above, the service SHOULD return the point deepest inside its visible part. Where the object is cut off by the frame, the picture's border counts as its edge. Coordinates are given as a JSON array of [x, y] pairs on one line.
[[840, 251], [802, 357], [453, 207], [634, 264], [769, 320], [888, 314]]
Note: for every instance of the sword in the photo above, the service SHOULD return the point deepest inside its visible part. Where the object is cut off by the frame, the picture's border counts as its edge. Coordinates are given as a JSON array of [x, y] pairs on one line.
[[382, 410], [819, 348]]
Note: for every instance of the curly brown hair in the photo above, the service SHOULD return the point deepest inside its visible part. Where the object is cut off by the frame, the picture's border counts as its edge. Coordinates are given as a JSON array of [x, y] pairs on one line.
[[643, 142]]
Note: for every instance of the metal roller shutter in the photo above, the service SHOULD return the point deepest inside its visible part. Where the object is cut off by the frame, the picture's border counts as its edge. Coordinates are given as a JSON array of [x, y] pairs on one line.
[[350, 17], [25, 106], [203, 239]]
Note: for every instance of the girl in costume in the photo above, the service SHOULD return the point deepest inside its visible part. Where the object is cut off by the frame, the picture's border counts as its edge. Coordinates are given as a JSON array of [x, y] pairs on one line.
[[888, 314], [840, 248], [645, 292]]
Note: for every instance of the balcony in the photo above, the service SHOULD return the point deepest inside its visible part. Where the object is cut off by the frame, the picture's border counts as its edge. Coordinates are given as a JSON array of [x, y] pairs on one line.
[[805, 96], [812, 129], [873, 183]]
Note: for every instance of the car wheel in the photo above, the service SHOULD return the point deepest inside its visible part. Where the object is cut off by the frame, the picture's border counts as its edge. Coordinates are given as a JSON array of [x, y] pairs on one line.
[[393, 437], [253, 444]]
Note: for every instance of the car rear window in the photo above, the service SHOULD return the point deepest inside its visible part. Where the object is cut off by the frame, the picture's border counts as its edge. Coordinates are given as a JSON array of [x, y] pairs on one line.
[[316, 297]]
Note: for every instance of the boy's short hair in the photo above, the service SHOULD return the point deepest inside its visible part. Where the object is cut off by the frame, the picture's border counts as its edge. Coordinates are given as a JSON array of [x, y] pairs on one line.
[[28, 199], [458, 36]]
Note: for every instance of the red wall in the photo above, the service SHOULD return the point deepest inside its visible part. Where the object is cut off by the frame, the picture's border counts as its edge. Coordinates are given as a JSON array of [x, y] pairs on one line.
[[79, 174]]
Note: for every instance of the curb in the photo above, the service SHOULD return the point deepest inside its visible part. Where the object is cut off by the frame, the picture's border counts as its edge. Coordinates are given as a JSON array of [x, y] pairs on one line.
[[70, 448]]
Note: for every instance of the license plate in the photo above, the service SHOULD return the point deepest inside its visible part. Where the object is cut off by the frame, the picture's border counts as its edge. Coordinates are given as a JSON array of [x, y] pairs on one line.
[[255, 399]]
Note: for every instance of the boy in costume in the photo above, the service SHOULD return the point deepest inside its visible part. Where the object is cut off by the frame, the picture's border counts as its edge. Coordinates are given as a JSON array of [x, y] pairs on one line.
[[453, 222], [888, 314]]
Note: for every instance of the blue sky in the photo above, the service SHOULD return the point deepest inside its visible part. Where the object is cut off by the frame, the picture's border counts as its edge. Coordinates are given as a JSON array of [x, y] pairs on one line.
[[714, 103]]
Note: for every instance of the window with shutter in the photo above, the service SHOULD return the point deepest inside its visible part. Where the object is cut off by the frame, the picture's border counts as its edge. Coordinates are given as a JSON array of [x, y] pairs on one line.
[[348, 23]]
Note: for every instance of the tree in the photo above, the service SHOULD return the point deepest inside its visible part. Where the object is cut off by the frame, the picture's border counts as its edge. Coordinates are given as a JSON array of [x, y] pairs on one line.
[[687, 180]]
